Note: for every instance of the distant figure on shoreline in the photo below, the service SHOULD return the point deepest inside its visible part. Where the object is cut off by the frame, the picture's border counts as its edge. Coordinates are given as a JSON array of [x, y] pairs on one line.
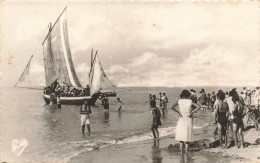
[[184, 128], [160, 97], [193, 96], [212, 100], [248, 96], [118, 101], [203, 99], [85, 112], [156, 118], [151, 100], [164, 101]]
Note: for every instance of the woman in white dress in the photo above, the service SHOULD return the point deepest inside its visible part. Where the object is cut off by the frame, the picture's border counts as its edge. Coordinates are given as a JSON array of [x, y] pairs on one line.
[[185, 125]]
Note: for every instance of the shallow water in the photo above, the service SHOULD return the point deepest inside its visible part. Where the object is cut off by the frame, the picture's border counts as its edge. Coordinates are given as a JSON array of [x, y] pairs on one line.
[[54, 135]]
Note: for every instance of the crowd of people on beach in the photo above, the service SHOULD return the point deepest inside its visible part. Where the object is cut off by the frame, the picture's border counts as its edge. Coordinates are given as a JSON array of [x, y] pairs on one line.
[[229, 110]]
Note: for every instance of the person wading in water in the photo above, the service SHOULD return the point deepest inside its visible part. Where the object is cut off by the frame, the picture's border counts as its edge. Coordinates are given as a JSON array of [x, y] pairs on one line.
[[85, 112], [156, 118]]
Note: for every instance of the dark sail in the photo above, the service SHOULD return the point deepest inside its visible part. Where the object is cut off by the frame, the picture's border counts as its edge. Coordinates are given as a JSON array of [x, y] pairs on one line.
[[57, 55]]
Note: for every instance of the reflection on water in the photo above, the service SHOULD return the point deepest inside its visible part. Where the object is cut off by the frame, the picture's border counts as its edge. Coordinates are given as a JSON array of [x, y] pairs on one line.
[[119, 115], [185, 158], [156, 152], [106, 115]]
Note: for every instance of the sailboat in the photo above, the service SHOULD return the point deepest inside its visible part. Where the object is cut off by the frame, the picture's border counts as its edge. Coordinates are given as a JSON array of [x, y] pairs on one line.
[[98, 79], [24, 80], [59, 67]]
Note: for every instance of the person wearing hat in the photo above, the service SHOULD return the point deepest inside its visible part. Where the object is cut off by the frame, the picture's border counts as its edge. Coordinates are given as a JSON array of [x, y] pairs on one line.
[[85, 112], [184, 128]]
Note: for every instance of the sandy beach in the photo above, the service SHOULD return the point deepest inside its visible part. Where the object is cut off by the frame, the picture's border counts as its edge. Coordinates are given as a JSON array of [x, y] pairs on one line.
[[248, 154]]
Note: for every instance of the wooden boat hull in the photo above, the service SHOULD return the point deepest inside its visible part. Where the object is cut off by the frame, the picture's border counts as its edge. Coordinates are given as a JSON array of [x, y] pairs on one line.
[[110, 94], [73, 100]]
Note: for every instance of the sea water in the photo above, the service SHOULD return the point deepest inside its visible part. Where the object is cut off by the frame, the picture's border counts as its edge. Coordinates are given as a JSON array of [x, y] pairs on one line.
[[54, 135]]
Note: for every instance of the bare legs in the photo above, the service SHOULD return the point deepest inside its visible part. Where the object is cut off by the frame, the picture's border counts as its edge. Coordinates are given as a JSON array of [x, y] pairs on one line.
[[186, 146], [83, 128], [155, 131], [181, 146], [241, 137], [237, 130], [235, 133], [221, 134], [88, 126]]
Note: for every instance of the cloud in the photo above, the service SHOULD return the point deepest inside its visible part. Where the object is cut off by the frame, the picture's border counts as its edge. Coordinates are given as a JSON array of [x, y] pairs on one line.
[[209, 66], [82, 68], [117, 69], [145, 45], [218, 65]]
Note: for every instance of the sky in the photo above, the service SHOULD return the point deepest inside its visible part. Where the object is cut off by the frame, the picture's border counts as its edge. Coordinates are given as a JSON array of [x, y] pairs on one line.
[[164, 44]]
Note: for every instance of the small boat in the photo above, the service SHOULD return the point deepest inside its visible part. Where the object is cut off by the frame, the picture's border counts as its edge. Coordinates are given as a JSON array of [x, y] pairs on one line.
[[110, 94], [59, 67]]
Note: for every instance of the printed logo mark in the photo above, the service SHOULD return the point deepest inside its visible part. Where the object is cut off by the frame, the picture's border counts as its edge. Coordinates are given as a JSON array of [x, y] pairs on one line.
[[18, 146]]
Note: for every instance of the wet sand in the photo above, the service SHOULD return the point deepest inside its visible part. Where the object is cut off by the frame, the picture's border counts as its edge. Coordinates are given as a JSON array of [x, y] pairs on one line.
[[147, 151], [157, 151]]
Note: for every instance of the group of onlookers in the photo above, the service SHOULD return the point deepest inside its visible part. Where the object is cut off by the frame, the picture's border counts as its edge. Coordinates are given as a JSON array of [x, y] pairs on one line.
[[229, 109]]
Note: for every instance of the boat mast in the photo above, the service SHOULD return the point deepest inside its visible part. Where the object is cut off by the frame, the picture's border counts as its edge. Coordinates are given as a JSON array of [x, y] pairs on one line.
[[91, 57], [53, 25], [91, 67]]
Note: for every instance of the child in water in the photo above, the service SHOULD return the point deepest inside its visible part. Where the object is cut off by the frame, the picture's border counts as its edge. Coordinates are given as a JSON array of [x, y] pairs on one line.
[[118, 101]]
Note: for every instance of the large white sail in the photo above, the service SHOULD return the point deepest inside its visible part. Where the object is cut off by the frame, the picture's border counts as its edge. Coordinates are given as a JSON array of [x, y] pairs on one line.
[[24, 80], [57, 55], [98, 79]]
